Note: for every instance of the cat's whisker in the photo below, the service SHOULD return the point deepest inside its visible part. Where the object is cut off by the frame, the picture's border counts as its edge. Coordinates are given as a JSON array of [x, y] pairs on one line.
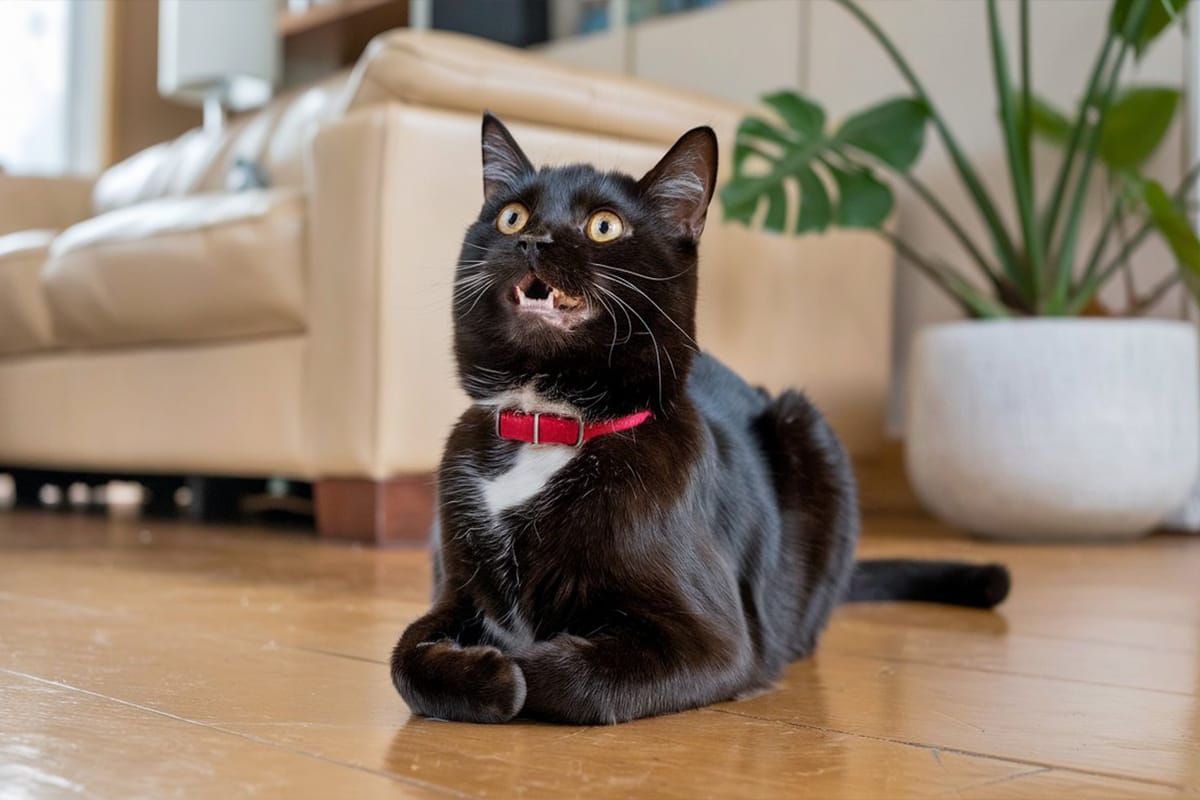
[[462, 297], [628, 321], [449, 278], [640, 274], [650, 299], [463, 292], [473, 270], [478, 296], [613, 316], [653, 339], [472, 282], [671, 362]]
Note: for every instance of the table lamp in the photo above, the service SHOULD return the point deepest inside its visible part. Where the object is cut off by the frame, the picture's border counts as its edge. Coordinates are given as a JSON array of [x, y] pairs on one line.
[[219, 54]]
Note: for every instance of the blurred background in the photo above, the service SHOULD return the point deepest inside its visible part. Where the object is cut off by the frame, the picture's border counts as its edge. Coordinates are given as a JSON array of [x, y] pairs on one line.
[[134, 130]]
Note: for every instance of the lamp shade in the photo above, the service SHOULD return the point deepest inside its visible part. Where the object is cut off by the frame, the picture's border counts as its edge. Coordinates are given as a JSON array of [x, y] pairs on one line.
[[222, 49]]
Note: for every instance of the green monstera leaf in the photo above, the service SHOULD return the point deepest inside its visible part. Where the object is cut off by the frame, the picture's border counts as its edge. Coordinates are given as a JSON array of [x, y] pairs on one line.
[[1160, 15], [1134, 128], [1136, 124], [1170, 221], [1048, 122], [830, 182]]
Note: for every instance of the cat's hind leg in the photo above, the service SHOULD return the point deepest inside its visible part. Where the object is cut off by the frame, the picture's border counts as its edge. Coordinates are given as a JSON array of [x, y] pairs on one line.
[[819, 514]]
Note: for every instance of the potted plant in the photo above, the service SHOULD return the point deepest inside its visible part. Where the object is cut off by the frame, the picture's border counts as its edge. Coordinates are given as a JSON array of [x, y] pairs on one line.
[[1044, 414]]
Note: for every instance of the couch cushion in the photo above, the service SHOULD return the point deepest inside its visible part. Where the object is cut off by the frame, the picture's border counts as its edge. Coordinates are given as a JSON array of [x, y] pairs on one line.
[[24, 318], [180, 269]]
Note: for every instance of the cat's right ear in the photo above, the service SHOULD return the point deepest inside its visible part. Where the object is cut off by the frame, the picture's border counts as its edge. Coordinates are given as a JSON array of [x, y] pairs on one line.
[[504, 165]]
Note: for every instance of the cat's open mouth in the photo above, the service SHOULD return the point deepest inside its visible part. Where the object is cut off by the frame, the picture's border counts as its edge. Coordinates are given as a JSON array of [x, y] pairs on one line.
[[532, 295]]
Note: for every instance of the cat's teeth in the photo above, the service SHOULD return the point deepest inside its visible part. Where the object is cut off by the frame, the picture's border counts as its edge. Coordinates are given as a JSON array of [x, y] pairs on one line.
[[562, 300], [546, 303], [557, 307]]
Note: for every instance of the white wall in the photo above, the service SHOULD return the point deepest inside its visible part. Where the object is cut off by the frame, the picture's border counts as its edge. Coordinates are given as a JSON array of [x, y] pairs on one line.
[[737, 50]]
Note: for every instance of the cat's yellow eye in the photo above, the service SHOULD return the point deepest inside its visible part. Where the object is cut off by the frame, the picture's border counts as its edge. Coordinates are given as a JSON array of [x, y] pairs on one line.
[[512, 219], [604, 226]]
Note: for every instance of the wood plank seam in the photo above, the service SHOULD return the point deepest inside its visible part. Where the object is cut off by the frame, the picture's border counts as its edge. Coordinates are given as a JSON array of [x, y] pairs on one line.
[[965, 668], [958, 751], [396, 777]]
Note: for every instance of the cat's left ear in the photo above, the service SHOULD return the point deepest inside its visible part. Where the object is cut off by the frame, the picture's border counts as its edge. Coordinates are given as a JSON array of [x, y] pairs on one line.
[[504, 164], [682, 183]]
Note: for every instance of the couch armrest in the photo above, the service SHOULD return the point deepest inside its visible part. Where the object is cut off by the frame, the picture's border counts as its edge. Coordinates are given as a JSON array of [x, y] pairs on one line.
[[381, 394], [810, 312], [463, 73], [43, 203]]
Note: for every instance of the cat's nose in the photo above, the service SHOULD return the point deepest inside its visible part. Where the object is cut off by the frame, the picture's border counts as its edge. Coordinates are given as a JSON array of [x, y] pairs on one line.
[[531, 243]]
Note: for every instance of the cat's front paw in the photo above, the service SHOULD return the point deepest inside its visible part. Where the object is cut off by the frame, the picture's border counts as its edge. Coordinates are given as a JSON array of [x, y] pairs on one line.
[[498, 684], [465, 684]]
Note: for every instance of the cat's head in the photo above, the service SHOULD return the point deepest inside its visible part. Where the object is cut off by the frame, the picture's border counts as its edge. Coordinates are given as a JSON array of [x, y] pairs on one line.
[[582, 281]]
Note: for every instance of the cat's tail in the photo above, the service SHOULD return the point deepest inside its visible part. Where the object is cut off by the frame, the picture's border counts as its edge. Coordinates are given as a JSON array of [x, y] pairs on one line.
[[951, 582]]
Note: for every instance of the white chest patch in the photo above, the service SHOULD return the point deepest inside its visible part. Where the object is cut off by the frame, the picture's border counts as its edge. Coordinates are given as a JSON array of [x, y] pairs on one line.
[[533, 469]]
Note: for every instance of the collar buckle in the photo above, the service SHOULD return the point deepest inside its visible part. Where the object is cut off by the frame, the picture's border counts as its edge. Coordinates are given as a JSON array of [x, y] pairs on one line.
[[537, 429]]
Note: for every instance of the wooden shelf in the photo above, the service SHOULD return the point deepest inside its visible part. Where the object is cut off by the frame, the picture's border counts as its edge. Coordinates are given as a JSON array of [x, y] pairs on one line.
[[328, 38], [318, 16]]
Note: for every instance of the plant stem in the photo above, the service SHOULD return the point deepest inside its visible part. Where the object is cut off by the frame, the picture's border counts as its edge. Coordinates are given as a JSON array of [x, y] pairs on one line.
[[1050, 220], [1027, 91], [930, 199], [1092, 282], [972, 301], [1144, 304], [1018, 153], [983, 202], [1131, 292], [1106, 229], [1066, 250], [952, 224]]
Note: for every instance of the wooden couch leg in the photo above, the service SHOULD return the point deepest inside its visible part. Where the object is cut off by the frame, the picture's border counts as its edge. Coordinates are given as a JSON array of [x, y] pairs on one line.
[[394, 511]]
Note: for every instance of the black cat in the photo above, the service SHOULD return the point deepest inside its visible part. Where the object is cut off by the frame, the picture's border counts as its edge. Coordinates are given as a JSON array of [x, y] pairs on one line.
[[626, 527]]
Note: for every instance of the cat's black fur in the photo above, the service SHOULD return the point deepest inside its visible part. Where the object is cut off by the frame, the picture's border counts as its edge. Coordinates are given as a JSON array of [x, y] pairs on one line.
[[680, 563]]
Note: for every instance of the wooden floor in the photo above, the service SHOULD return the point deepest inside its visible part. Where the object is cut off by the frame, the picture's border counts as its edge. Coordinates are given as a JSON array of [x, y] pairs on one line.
[[158, 660]]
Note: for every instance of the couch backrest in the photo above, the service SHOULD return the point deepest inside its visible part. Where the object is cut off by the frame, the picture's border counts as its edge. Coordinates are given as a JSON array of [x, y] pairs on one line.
[[272, 140], [427, 68], [463, 73]]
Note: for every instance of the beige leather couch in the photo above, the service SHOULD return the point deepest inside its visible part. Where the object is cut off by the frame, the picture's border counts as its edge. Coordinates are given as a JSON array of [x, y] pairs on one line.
[[153, 321]]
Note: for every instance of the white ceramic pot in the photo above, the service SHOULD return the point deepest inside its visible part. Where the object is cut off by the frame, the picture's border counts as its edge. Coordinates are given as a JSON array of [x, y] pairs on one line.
[[1054, 428]]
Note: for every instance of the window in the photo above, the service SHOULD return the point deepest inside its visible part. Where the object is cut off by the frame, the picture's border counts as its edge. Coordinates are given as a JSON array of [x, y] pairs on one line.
[[51, 82], [34, 36]]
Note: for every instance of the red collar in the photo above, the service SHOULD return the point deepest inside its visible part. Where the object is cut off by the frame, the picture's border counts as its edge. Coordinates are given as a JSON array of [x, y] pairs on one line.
[[550, 429]]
